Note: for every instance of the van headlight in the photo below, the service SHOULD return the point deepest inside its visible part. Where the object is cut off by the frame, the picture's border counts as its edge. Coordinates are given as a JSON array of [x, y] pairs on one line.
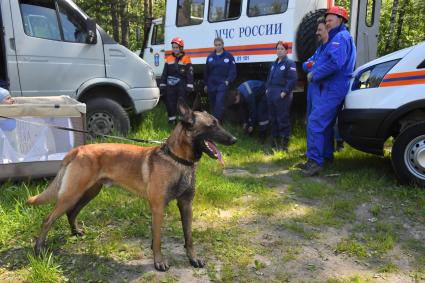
[[373, 75]]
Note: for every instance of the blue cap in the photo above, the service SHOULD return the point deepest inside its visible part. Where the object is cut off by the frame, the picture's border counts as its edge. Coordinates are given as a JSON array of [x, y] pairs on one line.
[[3, 94]]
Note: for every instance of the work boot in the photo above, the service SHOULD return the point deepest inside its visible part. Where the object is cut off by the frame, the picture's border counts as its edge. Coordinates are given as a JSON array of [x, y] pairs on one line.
[[311, 168], [284, 143], [275, 143], [262, 136], [339, 145], [301, 165]]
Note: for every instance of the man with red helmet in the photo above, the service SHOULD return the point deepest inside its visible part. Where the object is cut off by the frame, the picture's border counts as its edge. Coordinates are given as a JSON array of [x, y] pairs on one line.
[[332, 72], [177, 78]]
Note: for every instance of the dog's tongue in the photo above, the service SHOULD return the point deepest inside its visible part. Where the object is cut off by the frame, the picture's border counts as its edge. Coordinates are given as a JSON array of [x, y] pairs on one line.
[[216, 152]]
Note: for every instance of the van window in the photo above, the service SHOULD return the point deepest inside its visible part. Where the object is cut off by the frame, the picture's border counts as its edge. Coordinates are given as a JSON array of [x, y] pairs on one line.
[[190, 12], [421, 65], [266, 7], [223, 10], [73, 24], [158, 35], [39, 19]]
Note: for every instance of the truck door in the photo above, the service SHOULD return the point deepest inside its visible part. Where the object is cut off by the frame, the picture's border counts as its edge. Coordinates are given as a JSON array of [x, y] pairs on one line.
[[52, 54], [8, 67], [365, 28], [154, 53]]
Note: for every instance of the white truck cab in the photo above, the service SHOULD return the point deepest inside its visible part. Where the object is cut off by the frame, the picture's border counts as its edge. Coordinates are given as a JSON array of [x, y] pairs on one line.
[[51, 47], [387, 99]]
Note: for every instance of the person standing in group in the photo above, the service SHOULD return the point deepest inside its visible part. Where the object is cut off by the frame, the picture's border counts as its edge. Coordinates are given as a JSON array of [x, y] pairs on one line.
[[281, 81], [332, 71], [177, 78], [219, 73]]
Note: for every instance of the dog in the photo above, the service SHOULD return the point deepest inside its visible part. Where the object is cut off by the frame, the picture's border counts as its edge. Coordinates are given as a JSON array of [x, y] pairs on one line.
[[159, 174]]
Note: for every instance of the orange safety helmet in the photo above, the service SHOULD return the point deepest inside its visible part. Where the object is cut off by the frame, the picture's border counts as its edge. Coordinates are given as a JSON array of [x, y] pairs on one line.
[[178, 41], [339, 11]]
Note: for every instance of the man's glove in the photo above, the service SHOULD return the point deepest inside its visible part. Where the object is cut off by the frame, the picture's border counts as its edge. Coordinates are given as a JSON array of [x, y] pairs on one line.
[[189, 87], [310, 64], [310, 77]]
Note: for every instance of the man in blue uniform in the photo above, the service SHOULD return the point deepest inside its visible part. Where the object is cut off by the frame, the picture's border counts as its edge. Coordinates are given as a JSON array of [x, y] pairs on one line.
[[219, 73], [251, 95], [280, 84], [332, 72]]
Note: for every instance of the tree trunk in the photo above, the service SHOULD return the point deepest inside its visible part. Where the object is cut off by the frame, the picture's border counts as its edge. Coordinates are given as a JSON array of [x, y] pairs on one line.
[[124, 22], [115, 20], [388, 39], [400, 21]]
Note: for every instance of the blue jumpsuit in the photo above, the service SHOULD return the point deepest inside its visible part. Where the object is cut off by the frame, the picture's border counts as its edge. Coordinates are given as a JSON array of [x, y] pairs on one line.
[[282, 78], [253, 98], [218, 70], [332, 73]]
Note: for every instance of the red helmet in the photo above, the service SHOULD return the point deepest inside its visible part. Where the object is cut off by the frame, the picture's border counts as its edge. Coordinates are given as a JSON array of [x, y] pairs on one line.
[[178, 41], [339, 11]]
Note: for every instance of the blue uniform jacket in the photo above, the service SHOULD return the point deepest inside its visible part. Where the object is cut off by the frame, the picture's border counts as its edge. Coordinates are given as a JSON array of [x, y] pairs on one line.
[[250, 92], [282, 76], [335, 64], [314, 58], [218, 69]]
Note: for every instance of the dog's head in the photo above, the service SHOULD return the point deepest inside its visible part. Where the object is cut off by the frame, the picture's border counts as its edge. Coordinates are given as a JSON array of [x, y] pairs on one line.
[[203, 131]]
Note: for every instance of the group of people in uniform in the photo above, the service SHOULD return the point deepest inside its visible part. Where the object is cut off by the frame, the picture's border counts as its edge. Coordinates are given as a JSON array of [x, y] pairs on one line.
[[268, 103]]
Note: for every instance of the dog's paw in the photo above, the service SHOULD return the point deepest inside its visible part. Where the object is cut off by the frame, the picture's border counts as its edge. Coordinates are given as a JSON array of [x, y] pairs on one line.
[[196, 262], [77, 233], [161, 266]]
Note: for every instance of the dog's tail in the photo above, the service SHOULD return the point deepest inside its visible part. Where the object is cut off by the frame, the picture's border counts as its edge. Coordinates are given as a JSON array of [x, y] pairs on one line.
[[51, 192]]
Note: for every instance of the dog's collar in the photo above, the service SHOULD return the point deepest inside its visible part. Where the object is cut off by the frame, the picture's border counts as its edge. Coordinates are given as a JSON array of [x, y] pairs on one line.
[[168, 151]]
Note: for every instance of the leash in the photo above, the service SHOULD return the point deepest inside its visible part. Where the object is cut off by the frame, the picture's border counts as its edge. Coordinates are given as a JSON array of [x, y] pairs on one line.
[[83, 132]]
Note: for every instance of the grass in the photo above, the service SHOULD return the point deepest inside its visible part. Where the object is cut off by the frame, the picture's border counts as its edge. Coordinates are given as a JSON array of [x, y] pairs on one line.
[[271, 226]]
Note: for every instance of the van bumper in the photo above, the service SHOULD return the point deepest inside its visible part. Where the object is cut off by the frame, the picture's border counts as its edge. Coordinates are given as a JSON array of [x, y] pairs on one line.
[[360, 128], [144, 98]]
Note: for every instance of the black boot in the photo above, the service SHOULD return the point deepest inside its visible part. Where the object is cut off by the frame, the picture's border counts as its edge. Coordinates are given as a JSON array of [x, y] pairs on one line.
[[339, 145], [311, 168], [284, 143], [276, 143]]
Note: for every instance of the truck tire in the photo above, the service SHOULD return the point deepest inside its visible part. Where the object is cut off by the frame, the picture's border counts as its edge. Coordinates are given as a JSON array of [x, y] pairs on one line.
[[408, 155], [105, 116], [306, 40]]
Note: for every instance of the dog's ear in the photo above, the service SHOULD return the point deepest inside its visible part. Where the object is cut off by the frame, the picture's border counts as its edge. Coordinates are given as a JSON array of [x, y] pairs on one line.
[[185, 113]]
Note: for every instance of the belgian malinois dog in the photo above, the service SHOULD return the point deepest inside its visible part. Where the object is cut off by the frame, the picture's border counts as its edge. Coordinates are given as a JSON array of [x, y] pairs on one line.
[[159, 174]]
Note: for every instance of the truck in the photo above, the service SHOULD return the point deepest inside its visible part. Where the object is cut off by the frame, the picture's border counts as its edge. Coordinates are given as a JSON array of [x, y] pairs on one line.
[[51, 47], [250, 30]]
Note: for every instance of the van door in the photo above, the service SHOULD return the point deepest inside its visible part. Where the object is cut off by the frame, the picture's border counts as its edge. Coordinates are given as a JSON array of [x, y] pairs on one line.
[[364, 26], [8, 67], [154, 53], [52, 53]]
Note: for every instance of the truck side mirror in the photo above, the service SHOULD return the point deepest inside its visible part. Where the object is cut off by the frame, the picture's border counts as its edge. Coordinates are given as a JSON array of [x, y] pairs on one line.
[[91, 31]]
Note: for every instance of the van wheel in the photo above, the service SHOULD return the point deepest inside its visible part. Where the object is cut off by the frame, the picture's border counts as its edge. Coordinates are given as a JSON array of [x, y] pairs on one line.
[[105, 116], [306, 39], [408, 155]]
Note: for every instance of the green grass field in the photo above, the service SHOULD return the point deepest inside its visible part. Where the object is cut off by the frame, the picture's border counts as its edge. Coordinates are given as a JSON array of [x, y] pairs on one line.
[[258, 220]]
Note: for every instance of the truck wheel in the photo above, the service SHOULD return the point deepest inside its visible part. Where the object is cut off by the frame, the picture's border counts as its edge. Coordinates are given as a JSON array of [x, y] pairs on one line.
[[105, 116], [408, 155], [306, 40]]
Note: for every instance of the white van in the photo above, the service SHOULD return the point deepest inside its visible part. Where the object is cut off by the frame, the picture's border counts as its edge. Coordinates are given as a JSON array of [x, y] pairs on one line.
[[387, 99], [51, 47]]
